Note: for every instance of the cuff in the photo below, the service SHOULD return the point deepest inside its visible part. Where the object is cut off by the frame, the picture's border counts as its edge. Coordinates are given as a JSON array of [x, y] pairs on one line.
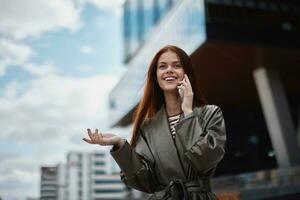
[[127, 159], [185, 118]]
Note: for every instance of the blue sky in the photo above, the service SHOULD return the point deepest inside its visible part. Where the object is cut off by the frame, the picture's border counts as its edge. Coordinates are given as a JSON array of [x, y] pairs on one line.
[[58, 62]]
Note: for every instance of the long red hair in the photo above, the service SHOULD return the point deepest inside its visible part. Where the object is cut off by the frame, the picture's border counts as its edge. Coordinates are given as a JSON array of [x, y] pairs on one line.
[[153, 97]]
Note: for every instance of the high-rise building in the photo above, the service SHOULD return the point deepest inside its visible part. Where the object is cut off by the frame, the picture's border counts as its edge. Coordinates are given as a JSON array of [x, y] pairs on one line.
[[48, 187], [89, 177], [76, 182], [61, 182]]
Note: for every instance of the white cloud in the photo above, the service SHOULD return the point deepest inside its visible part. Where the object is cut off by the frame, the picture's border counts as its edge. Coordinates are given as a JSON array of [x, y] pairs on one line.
[[24, 180], [21, 19], [12, 53], [18, 171], [87, 49], [11, 90], [59, 105], [49, 119], [19, 54], [39, 70], [31, 18]]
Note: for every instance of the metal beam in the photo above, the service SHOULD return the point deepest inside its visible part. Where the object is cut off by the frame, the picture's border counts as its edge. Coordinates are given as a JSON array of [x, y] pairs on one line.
[[277, 116]]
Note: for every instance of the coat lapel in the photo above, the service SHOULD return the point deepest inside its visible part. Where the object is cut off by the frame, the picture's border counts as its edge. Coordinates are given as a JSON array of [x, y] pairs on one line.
[[164, 145]]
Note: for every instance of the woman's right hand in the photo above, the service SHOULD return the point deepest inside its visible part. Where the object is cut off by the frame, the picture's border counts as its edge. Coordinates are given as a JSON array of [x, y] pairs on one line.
[[103, 139]]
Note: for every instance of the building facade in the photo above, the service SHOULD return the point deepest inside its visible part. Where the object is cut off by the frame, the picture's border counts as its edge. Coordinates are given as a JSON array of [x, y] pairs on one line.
[[48, 187], [89, 177], [62, 181], [242, 64]]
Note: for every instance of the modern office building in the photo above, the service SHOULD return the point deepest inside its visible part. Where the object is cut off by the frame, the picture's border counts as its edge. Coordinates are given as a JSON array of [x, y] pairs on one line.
[[48, 187], [77, 179], [62, 181], [89, 177], [246, 57]]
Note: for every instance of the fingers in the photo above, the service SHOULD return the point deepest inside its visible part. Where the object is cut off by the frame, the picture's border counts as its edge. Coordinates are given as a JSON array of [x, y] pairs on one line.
[[95, 138], [181, 87], [90, 133], [95, 135], [87, 140], [186, 79], [181, 82], [99, 138], [186, 82], [185, 85]]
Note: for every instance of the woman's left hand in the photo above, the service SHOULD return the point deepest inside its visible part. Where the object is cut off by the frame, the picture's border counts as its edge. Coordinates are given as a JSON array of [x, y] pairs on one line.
[[188, 95]]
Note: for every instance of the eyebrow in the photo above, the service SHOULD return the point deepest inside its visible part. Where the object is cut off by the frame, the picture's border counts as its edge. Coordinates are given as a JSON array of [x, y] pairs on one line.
[[172, 62]]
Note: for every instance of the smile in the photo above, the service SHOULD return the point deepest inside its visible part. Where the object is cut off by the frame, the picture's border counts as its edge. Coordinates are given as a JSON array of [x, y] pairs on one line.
[[170, 78]]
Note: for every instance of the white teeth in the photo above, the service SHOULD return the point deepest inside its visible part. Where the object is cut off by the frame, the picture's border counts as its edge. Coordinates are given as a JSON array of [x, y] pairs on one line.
[[169, 78]]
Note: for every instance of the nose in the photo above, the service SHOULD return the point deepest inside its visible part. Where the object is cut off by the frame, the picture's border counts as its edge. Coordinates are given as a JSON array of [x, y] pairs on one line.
[[169, 69]]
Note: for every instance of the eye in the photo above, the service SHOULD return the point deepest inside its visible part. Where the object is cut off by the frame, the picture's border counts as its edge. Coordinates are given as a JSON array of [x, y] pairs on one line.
[[178, 65], [161, 66]]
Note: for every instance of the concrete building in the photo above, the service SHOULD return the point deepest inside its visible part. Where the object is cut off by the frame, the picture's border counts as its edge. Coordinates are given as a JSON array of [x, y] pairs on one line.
[[61, 182], [246, 57], [89, 177], [77, 180], [48, 187]]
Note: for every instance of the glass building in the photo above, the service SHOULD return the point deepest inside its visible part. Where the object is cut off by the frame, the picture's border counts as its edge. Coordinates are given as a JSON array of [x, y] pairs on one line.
[[246, 57]]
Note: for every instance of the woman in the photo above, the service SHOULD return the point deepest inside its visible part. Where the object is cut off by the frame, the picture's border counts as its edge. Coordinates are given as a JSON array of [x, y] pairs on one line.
[[177, 140]]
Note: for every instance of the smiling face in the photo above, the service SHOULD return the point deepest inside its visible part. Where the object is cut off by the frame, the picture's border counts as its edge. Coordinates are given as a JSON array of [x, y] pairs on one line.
[[169, 71]]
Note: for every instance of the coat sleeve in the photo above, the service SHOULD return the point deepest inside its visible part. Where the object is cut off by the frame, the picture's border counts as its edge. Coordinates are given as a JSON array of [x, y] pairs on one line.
[[202, 149], [136, 170]]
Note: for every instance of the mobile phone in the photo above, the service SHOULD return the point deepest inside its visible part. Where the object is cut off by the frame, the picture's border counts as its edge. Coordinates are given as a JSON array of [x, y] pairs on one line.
[[180, 92]]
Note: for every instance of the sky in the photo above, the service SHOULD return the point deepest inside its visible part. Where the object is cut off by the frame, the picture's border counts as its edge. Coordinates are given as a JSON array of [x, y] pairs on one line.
[[59, 60]]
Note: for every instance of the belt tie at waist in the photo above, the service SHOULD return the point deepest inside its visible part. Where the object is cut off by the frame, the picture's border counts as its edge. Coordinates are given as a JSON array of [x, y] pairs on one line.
[[177, 190], [180, 190]]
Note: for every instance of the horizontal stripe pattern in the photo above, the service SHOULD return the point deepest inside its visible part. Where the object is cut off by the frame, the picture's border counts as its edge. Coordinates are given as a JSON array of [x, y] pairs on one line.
[[173, 120]]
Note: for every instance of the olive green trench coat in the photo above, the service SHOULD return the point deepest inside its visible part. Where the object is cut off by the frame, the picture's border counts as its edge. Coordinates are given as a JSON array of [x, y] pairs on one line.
[[178, 168]]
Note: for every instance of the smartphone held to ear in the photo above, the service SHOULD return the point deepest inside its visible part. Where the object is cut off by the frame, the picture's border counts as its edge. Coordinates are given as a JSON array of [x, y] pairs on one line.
[[180, 92]]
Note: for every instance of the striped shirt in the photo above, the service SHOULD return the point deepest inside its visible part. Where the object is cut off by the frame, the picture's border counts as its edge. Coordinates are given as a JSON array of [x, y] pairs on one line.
[[173, 120]]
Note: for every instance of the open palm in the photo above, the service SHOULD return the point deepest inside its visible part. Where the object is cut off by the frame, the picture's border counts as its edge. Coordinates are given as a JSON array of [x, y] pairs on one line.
[[102, 139]]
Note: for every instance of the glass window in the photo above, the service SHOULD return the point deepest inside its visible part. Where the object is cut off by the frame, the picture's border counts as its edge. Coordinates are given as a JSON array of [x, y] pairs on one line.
[[133, 26], [148, 16], [107, 181], [127, 27], [99, 163], [99, 172]]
